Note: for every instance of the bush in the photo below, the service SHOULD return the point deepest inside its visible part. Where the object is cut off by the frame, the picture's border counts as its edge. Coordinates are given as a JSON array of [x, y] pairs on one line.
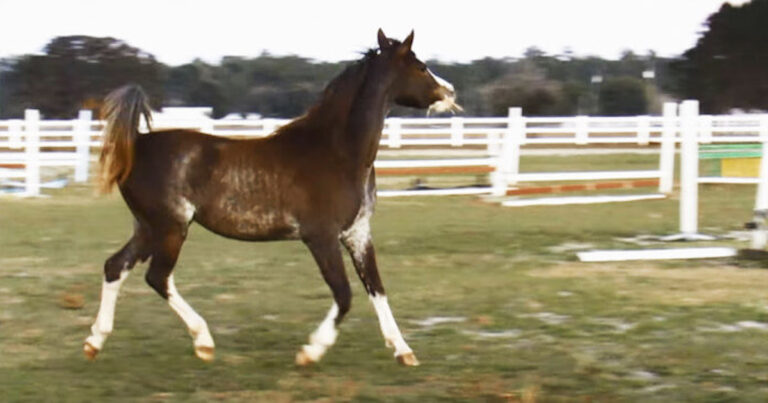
[[622, 96]]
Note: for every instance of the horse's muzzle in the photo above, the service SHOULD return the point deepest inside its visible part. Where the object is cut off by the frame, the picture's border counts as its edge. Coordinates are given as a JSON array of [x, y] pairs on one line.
[[446, 104]]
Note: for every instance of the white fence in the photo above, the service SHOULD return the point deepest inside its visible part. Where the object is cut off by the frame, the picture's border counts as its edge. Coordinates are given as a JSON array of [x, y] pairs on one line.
[[29, 145]]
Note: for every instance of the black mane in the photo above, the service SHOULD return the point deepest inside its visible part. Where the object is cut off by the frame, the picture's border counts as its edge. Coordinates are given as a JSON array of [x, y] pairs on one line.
[[353, 70]]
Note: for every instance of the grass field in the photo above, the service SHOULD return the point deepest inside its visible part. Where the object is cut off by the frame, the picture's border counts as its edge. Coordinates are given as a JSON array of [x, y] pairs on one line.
[[491, 299]]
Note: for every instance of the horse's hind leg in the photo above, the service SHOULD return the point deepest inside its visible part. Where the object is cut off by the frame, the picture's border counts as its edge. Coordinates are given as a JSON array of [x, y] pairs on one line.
[[115, 272], [159, 276], [325, 250], [357, 240]]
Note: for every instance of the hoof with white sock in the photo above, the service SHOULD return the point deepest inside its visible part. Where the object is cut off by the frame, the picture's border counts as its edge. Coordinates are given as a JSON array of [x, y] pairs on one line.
[[90, 351], [102, 327], [320, 340], [392, 336], [312, 353], [407, 359], [309, 354], [205, 353]]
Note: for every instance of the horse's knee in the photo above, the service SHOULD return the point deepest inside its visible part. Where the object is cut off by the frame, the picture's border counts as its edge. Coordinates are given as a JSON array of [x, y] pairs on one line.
[[113, 267], [124, 259]]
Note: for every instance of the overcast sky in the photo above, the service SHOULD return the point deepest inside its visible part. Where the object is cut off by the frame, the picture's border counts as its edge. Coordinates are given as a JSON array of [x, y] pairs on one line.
[[179, 31]]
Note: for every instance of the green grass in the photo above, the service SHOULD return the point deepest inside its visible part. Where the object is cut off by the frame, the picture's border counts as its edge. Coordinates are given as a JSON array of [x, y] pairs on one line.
[[535, 324]]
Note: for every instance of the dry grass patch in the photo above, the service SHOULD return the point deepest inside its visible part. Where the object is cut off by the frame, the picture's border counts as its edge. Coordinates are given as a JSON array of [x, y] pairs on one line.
[[689, 286]]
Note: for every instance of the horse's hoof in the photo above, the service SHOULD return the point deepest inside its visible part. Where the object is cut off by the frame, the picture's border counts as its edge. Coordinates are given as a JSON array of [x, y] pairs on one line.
[[204, 353], [90, 351], [408, 359], [303, 359]]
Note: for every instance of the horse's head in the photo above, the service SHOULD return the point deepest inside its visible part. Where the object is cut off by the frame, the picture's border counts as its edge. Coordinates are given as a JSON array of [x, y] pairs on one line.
[[412, 84]]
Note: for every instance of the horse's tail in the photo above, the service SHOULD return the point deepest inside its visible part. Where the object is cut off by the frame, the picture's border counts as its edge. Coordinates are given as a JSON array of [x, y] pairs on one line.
[[122, 110]]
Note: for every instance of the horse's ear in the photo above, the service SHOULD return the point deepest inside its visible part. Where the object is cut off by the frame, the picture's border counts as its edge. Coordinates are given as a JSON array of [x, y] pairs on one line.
[[383, 40], [405, 47], [408, 42]]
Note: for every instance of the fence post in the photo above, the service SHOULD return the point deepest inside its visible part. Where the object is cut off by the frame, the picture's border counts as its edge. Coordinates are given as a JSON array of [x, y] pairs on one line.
[[643, 130], [582, 130], [508, 166], [457, 134], [82, 137], [395, 134], [667, 157], [32, 151], [760, 232], [689, 168]]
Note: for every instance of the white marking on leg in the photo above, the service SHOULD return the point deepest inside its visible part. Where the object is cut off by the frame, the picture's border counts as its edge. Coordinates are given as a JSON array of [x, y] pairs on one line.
[[197, 326], [358, 236], [389, 329], [321, 339], [106, 317]]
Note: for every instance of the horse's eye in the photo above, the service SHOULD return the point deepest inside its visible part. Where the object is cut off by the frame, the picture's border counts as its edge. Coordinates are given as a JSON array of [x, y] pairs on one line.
[[423, 68]]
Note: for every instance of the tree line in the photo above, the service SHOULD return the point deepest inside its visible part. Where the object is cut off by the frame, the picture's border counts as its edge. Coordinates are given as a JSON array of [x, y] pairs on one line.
[[724, 70]]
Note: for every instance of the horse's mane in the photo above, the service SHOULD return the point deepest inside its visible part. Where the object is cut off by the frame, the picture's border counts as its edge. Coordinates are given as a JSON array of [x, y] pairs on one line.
[[353, 73], [341, 90], [349, 79]]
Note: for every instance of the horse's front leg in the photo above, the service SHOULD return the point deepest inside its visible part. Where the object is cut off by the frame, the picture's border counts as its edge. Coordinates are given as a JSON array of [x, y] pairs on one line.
[[325, 250], [357, 240]]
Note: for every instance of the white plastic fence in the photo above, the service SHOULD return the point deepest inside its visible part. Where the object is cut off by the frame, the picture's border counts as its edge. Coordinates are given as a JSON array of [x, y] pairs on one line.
[[584, 130], [28, 145]]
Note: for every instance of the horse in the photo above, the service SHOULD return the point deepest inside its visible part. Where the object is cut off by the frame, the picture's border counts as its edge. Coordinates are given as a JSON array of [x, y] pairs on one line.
[[311, 180]]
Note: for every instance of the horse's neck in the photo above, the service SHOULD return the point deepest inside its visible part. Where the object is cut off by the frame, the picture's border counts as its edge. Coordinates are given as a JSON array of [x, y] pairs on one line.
[[352, 116], [366, 121]]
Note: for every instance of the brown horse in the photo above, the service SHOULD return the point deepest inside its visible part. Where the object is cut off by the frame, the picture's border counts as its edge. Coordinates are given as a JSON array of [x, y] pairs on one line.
[[312, 180]]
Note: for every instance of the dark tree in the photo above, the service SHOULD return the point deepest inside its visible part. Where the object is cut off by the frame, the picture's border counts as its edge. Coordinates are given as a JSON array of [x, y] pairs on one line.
[[74, 72], [194, 84], [623, 96], [77, 71], [727, 67]]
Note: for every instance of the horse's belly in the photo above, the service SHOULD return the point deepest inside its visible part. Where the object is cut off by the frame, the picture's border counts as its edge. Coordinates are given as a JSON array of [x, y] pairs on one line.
[[253, 223]]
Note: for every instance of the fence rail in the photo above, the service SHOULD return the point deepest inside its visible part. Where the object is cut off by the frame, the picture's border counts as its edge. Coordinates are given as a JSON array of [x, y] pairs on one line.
[[30, 144]]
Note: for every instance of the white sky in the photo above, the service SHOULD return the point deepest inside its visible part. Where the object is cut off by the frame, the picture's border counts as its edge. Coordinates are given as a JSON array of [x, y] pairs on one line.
[[178, 31]]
